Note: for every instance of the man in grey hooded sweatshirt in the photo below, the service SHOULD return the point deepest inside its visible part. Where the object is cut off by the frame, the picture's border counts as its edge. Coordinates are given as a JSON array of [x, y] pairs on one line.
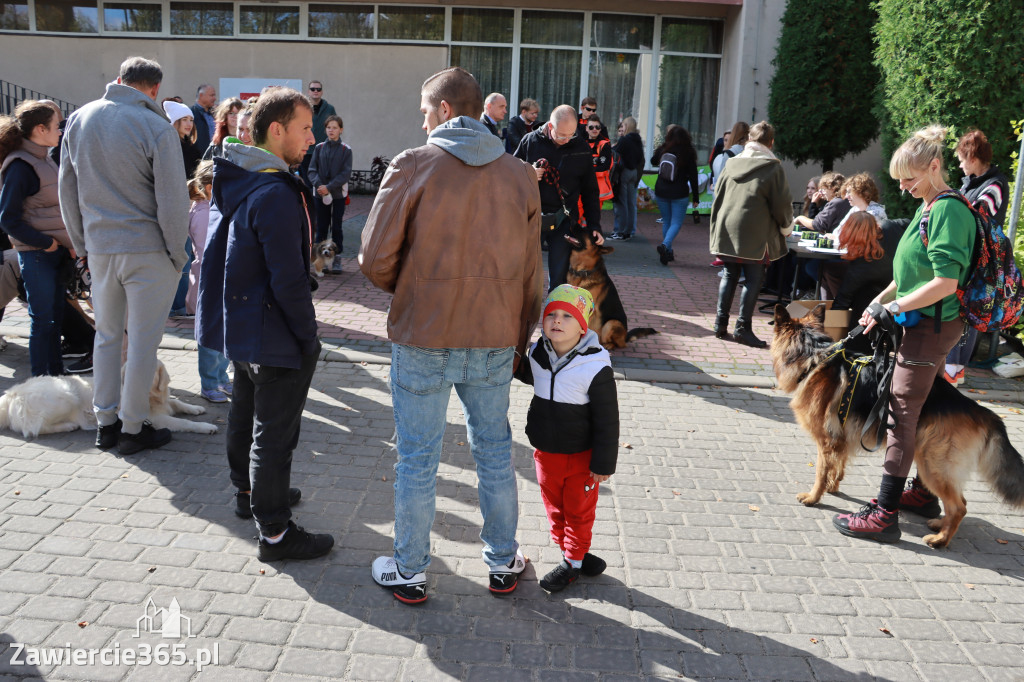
[[464, 264], [126, 208]]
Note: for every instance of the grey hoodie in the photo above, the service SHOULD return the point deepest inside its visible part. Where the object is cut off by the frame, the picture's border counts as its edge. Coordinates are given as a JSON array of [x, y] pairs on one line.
[[252, 159], [468, 140], [120, 178]]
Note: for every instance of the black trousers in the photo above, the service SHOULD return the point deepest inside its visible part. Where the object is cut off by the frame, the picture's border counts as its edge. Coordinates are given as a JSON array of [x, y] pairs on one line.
[[558, 254], [263, 430]]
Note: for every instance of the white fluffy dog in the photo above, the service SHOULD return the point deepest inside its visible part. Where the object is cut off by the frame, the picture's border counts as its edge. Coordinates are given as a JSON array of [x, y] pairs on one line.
[[43, 405]]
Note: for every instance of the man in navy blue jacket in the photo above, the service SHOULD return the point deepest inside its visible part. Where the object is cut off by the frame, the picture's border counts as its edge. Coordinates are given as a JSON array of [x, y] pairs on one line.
[[256, 307]]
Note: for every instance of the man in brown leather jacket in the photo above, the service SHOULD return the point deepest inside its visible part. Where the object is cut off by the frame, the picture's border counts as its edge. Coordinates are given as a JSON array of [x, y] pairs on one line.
[[464, 265]]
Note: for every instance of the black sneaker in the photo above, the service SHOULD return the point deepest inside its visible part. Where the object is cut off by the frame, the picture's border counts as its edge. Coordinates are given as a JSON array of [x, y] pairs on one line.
[[871, 522], [81, 366], [592, 565], [147, 438], [504, 579], [408, 590], [243, 502], [560, 577], [296, 544], [106, 436], [70, 353], [663, 254]]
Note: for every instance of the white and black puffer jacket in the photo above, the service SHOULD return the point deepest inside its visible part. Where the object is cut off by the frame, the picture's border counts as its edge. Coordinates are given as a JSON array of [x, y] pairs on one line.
[[574, 407]]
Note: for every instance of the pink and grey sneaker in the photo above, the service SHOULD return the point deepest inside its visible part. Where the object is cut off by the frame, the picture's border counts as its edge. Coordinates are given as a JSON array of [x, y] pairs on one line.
[[918, 499], [871, 523]]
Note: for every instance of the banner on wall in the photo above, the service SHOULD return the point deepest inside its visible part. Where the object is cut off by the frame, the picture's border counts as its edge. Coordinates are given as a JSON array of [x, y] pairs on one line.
[[244, 88]]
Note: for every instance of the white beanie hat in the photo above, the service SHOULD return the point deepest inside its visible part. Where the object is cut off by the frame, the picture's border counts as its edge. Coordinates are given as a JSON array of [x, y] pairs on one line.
[[176, 110]]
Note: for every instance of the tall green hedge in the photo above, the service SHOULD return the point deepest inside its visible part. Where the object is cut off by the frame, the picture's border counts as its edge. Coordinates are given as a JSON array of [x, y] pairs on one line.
[[959, 63], [822, 94]]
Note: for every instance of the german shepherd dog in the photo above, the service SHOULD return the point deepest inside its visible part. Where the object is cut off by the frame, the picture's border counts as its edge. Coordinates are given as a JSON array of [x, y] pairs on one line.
[[587, 270], [955, 435]]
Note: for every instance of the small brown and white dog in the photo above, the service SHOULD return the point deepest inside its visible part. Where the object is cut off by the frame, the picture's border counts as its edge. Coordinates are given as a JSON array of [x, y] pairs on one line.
[[323, 257], [43, 405]]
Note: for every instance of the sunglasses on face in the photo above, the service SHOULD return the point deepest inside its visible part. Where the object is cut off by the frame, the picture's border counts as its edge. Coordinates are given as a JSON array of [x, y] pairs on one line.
[[590, 109], [593, 127], [315, 89]]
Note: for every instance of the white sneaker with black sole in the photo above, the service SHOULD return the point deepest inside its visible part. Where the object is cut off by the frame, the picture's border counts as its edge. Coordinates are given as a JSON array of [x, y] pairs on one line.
[[408, 590], [504, 579]]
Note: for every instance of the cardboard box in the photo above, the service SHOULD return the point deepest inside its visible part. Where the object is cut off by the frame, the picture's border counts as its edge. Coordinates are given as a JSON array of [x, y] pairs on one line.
[[837, 322]]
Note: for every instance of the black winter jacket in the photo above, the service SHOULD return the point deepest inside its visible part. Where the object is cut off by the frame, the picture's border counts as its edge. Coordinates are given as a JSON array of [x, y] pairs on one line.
[[331, 165], [686, 174], [575, 165], [631, 150], [515, 132], [575, 407], [992, 187]]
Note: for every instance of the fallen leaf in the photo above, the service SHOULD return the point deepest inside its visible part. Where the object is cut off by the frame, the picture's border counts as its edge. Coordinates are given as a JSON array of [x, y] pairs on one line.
[[17, 492], [753, 507], [675, 492], [1002, 542], [103, 509], [151, 569], [363, 364], [886, 631], [460, 443], [723, 375], [263, 571], [810, 464], [814, 640], [1016, 410], [627, 446], [383, 478], [83, 623], [124, 475], [969, 586]]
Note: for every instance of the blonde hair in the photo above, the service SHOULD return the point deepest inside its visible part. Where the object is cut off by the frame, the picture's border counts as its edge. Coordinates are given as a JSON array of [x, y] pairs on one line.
[[918, 152], [200, 179], [628, 125], [762, 132]]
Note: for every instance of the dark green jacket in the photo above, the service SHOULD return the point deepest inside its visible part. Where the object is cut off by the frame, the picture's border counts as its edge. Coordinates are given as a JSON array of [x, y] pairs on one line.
[[753, 208], [320, 121]]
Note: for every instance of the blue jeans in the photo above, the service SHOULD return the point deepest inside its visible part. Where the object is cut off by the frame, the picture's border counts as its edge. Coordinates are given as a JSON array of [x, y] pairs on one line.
[[421, 384], [213, 369], [40, 272], [178, 305], [625, 202], [673, 212]]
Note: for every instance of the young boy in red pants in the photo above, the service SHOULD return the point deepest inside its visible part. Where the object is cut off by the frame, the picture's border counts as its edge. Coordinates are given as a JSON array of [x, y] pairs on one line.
[[573, 423]]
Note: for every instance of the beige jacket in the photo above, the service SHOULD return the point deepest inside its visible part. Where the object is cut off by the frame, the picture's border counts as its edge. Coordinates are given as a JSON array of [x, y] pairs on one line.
[[459, 247]]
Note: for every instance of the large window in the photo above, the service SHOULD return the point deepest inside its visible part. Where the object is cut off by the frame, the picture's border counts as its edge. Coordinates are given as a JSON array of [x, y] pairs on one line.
[[622, 32], [551, 77], [552, 28], [492, 66], [132, 17], [403, 22], [67, 16], [202, 18], [14, 16], [341, 21], [688, 96], [268, 20], [471, 25]]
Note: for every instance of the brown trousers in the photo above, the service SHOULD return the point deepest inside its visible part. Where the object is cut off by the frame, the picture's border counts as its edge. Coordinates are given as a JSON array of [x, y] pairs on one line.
[[920, 359]]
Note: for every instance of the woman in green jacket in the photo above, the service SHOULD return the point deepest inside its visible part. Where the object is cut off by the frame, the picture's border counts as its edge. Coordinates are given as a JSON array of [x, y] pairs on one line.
[[928, 267]]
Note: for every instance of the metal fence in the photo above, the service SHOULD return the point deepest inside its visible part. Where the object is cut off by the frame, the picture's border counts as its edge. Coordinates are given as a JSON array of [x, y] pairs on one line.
[[11, 95]]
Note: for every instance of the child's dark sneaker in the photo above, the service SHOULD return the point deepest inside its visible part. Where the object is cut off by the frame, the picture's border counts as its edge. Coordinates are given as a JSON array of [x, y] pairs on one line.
[[592, 565], [296, 544], [243, 502], [148, 438], [560, 577], [408, 590], [918, 499], [871, 523], [107, 436], [504, 579]]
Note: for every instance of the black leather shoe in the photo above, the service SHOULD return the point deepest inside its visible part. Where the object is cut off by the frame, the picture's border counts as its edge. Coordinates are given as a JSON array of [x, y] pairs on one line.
[[148, 438], [747, 338], [243, 502], [106, 436], [296, 544]]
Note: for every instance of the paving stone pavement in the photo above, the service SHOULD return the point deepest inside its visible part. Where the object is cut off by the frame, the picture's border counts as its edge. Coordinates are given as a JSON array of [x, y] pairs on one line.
[[714, 570]]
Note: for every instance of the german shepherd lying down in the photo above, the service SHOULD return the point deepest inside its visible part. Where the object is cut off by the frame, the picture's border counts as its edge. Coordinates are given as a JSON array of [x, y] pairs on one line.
[[955, 435], [587, 270]]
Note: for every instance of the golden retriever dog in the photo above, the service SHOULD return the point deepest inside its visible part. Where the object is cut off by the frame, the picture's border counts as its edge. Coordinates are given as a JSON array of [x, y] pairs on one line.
[[43, 405], [323, 257], [955, 435]]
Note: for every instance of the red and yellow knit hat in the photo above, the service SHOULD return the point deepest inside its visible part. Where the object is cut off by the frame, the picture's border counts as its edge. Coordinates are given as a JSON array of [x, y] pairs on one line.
[[574, 300]]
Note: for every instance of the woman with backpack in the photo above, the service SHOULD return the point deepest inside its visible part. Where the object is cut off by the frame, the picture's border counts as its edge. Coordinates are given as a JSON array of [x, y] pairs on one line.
[[986, 188], [931, 262], [676, 161]]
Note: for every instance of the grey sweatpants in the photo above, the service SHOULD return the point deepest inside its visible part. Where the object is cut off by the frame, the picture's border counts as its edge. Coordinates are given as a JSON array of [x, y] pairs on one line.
[[133, 292]]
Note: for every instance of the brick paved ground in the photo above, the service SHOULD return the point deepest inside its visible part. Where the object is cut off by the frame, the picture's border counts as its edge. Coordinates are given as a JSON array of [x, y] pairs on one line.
[[715, 571]]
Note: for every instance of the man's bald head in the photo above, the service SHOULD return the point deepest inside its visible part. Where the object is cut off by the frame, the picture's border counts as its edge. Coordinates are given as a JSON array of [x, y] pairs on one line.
[[562, 124]]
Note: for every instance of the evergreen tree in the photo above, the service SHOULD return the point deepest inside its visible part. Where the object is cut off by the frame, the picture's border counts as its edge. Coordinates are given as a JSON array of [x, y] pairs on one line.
[[959, 63], [822, 94]]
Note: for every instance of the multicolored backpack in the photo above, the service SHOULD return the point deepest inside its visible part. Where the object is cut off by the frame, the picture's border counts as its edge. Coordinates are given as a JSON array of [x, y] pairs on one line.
[[990, 298]]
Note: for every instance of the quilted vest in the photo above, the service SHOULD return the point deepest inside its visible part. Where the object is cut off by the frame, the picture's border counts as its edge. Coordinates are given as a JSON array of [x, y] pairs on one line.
[[42, 209]]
